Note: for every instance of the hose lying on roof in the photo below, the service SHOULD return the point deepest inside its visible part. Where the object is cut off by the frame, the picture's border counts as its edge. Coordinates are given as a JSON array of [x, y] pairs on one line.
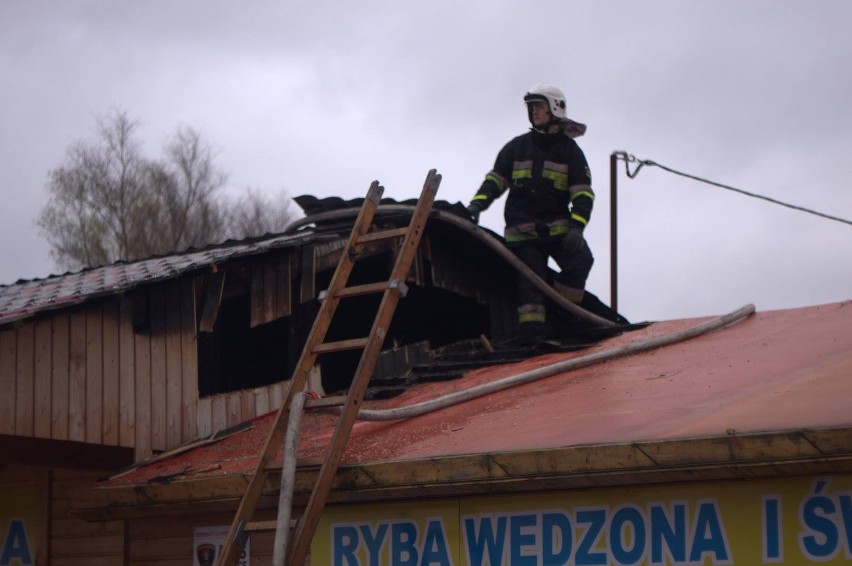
[[418, 409], [478, 233]]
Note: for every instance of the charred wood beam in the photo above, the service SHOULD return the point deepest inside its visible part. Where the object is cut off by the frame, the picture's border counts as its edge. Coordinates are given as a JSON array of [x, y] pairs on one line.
[[212, 300]]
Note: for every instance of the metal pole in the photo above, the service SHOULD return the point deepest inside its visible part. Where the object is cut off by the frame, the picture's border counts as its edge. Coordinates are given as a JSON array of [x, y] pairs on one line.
[[288, 480], [613, 231]]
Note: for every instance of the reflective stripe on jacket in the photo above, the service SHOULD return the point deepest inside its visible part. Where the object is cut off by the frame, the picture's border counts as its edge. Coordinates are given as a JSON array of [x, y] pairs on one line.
[[549, 185]]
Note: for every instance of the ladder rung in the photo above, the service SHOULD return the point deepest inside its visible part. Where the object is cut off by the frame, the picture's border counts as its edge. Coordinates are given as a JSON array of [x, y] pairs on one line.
[[365, 289], [341, 345], [368, 288], [256, 526], [381, 235], [336, 401]]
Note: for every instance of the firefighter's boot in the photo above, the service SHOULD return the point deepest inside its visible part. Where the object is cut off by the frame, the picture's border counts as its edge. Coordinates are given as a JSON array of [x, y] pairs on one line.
[[532, 333]]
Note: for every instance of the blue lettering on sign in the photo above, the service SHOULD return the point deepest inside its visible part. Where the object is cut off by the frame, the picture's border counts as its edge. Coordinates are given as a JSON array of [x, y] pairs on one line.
[[344, 544], [557, 539], [598, 536], [521, 537], [846, 516], [400, 538], [627, 525], [595, 519], [668, 534], [594, 536], [404, 544], [481, 539], [709, 535], [773, 550], [374, 541], [16, 545], [435, 550], [826, 519]]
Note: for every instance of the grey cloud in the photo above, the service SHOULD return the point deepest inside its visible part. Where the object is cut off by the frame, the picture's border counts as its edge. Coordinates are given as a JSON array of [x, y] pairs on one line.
[[323, 97]]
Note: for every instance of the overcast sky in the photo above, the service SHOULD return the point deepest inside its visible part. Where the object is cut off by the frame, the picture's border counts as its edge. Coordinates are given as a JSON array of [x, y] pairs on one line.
[[323, 97]]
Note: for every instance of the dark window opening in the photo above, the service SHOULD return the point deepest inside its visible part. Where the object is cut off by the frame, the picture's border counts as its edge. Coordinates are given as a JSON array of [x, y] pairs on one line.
[[235, 356], [439, 316]]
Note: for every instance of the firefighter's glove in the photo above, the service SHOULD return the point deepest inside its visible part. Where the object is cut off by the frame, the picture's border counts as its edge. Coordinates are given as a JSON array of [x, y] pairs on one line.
[[474, 209], [573, 240]]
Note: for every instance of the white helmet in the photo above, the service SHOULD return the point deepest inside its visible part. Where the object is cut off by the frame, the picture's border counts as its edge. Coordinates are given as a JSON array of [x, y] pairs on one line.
[[550, 94]]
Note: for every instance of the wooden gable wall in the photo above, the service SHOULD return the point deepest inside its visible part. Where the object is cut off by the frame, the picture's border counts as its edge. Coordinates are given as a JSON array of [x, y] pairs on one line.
[[123, 370], [84, 374]]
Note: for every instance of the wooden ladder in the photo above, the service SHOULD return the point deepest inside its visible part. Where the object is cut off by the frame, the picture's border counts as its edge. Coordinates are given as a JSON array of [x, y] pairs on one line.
[[315, 344]]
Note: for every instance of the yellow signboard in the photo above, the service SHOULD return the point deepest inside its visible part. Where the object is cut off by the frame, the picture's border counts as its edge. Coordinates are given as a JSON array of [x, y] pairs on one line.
[[19, 525], [785, 521]]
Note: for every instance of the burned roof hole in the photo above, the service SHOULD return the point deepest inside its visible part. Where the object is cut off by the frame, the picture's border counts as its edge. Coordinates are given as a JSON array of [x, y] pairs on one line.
[[426, 320], [236, 356]]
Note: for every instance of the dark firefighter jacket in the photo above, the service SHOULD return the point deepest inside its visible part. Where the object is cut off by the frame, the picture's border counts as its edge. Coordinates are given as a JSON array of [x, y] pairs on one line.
[[549, 186]]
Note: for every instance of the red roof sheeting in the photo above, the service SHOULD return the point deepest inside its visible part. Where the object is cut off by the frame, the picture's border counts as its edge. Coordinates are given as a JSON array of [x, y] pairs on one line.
[[773, 371]]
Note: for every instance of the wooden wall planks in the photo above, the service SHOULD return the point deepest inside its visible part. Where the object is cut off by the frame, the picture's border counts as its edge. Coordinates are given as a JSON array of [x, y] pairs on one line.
[[123, 370]]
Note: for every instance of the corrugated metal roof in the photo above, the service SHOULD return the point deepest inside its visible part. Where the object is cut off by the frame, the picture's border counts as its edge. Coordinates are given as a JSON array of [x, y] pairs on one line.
[[775, 371], [26, 298], [312, 205]]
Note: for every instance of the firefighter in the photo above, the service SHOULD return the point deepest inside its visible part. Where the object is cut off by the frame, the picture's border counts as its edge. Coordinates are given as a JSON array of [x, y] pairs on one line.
[[548, 207]]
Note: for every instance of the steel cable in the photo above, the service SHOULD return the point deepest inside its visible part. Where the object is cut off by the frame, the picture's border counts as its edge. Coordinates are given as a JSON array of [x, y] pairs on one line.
[[631, 159]]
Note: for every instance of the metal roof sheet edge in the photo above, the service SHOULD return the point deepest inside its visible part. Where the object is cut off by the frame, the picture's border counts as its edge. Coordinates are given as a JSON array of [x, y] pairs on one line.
[[597, 466]]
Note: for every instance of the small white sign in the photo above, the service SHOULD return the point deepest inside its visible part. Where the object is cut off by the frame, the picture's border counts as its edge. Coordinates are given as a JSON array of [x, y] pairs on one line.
[[208, 542]]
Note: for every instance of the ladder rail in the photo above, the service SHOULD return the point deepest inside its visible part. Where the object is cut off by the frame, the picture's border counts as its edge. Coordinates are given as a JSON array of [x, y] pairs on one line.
[[306, 526], [235, 539]]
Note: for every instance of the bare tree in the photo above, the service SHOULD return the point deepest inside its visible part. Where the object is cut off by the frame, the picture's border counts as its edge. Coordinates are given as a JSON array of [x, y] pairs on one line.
[[190, 205], [93, 216], [109, 203], [256, 214]]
